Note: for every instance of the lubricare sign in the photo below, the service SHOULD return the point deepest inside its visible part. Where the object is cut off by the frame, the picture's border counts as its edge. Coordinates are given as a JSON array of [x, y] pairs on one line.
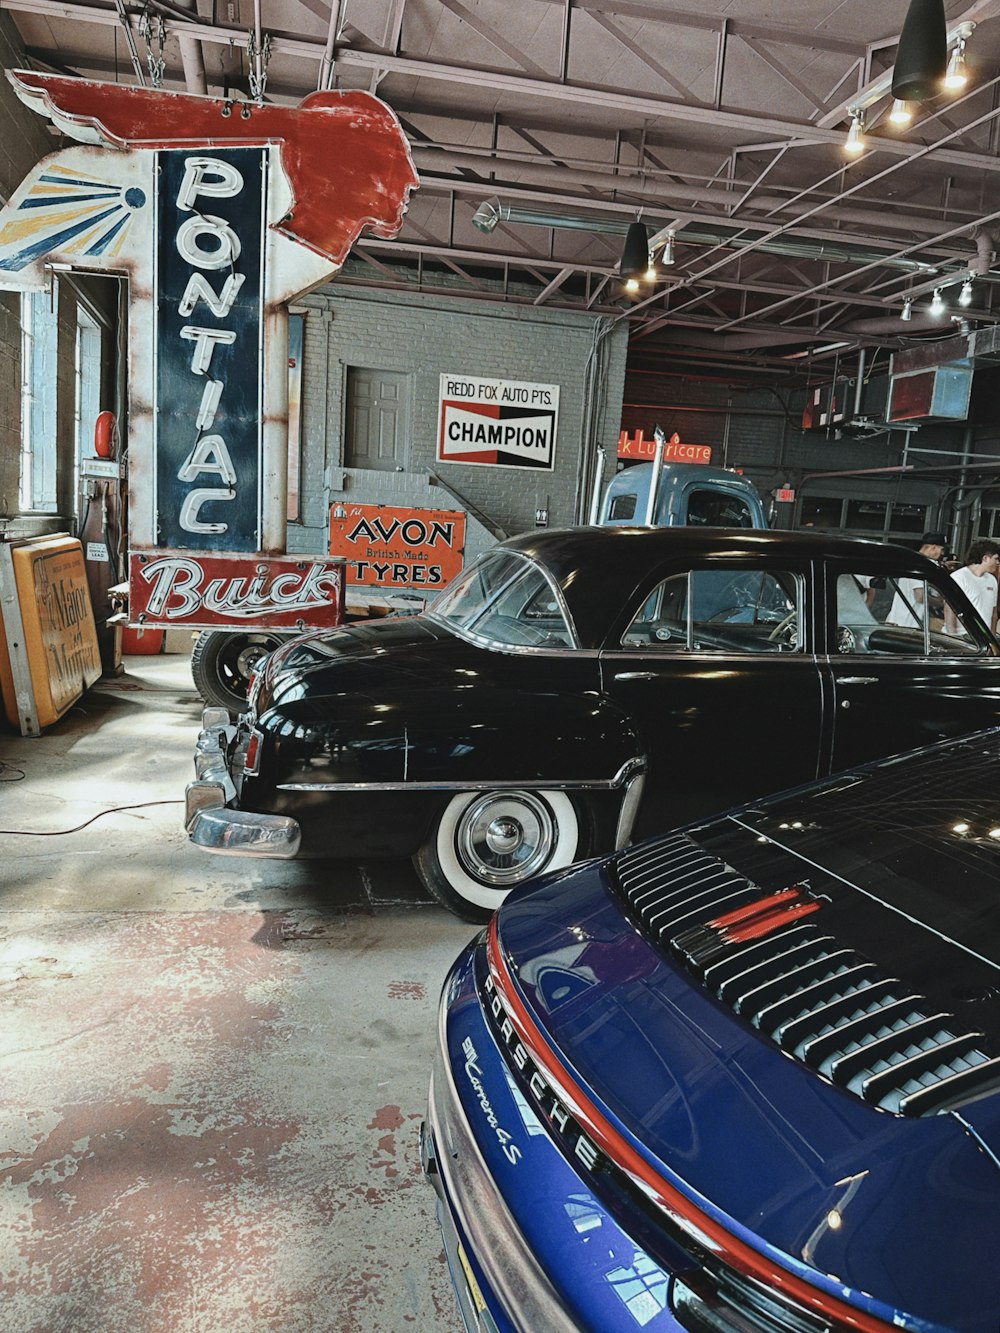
[[209, 311], [674, 450], [398, 547], [503, 423], [207, 590]]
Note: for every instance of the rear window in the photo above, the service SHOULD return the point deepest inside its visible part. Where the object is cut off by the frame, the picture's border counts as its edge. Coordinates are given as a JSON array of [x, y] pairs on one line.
[[622, 507], [716, 509], [509, 601]]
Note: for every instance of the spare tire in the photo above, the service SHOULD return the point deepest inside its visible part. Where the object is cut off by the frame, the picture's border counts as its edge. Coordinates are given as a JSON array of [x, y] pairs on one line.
[[222, 662]]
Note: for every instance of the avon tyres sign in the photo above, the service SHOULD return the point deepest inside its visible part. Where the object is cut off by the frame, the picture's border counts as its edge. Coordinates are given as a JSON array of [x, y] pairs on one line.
[[203, 590], [209, 286], [505, 423], [398, 548]]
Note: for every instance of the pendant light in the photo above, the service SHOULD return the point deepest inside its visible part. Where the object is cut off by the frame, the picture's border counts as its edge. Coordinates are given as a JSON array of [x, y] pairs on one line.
[[922, 54], [635, 256]]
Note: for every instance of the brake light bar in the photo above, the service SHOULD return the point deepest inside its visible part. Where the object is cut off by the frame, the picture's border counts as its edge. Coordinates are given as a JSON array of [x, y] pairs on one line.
[[768, 914], [682, 1210]]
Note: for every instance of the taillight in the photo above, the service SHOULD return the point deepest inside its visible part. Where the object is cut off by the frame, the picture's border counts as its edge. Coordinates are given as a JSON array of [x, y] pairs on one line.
[[251, 762]]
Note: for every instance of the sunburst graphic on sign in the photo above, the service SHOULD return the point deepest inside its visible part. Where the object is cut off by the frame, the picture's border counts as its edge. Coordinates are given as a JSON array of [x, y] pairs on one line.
[[65, 211]]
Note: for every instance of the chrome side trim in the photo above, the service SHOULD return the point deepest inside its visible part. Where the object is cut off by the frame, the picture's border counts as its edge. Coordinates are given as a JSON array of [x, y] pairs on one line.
[[631, 802], [513, 1274], [532, 784]]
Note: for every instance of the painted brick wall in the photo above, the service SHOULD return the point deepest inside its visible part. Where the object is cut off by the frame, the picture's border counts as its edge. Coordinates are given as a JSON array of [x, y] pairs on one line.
[[425, 337]]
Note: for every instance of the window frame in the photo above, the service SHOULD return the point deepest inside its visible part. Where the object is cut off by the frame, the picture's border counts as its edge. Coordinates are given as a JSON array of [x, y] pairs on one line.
[[675, 647], [930, 650], [38, 489]]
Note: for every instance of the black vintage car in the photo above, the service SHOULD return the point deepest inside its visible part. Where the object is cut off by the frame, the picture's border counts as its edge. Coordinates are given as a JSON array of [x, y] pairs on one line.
[[575, 688]]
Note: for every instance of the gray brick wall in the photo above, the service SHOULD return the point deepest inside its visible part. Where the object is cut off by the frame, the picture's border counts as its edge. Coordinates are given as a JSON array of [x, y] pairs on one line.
[[425, 337]]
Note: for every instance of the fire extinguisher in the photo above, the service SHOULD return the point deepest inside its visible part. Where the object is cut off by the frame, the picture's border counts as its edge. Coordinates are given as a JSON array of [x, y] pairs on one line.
[[105, 435]]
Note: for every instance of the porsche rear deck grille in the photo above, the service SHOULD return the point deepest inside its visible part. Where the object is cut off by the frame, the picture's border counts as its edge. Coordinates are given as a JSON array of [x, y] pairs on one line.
[[763, 954]]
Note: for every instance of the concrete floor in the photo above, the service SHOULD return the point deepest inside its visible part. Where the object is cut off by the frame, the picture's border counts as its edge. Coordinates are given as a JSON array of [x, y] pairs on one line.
[[212, 1071]]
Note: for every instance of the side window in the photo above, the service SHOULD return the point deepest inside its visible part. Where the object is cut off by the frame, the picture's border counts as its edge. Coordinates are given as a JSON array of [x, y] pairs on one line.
[[622, 507], [902, 615], [721, 610], [717, 509], [527, 614]]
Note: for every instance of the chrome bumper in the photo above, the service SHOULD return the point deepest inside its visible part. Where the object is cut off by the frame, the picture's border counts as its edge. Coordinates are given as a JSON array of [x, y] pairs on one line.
[[211, 820], [469, 1204]]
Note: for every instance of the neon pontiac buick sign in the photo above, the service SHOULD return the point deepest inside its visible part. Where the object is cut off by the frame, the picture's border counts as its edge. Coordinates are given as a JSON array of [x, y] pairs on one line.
[[281, 591], [219, 214]]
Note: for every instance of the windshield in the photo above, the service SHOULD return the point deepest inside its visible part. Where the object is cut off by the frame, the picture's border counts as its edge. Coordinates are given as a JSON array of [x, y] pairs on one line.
[[508, 600]]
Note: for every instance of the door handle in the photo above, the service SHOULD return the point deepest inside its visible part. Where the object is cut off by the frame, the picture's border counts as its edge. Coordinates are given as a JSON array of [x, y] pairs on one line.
[[636, 675], [857, 680]]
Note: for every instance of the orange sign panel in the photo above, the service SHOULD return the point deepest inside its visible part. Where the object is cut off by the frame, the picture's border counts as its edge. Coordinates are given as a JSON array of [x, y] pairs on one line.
[[674, 451], [396, 547], [58, 644]]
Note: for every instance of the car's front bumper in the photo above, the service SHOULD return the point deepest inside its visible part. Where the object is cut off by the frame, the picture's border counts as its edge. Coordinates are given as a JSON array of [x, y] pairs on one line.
[[213, 820]]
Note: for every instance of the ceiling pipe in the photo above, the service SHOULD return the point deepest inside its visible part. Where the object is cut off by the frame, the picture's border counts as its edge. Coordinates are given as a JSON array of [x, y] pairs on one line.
[[893, 324], [493, 211], [667, 194]]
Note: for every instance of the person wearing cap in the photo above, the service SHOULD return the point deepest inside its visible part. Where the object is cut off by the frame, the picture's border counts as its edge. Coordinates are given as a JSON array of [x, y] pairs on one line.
[[978, 580], [908, 609]]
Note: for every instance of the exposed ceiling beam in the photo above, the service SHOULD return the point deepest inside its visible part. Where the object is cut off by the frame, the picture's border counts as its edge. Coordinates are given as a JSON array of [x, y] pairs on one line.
[[520, 87]]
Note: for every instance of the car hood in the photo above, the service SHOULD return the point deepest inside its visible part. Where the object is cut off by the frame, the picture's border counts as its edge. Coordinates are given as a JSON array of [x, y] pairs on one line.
[[905, 1208]]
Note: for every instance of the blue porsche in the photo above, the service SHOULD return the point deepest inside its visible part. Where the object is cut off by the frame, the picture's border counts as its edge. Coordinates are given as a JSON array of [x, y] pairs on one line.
[[740, 1078]]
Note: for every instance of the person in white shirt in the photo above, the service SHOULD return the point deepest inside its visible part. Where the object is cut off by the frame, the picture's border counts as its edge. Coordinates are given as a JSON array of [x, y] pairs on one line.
[[908, 607], [978, 580]]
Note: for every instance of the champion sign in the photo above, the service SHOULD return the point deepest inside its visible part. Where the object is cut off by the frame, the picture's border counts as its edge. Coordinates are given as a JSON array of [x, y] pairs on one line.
[[503, 423], [208, 338]]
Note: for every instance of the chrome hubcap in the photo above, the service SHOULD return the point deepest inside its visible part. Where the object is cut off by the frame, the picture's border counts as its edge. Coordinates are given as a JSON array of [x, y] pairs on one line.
[[505, 837]]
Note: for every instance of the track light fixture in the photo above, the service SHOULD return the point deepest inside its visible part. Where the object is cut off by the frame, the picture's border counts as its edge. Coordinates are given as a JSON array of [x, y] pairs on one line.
[[901, 113], [667, 254], [906, 314], [923, 70], [856, 134], [937, 302], [957, 74], [965, 295]]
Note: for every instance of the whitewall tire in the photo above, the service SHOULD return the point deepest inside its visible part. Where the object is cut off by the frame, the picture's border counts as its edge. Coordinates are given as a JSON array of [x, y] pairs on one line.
[[486, 843]]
